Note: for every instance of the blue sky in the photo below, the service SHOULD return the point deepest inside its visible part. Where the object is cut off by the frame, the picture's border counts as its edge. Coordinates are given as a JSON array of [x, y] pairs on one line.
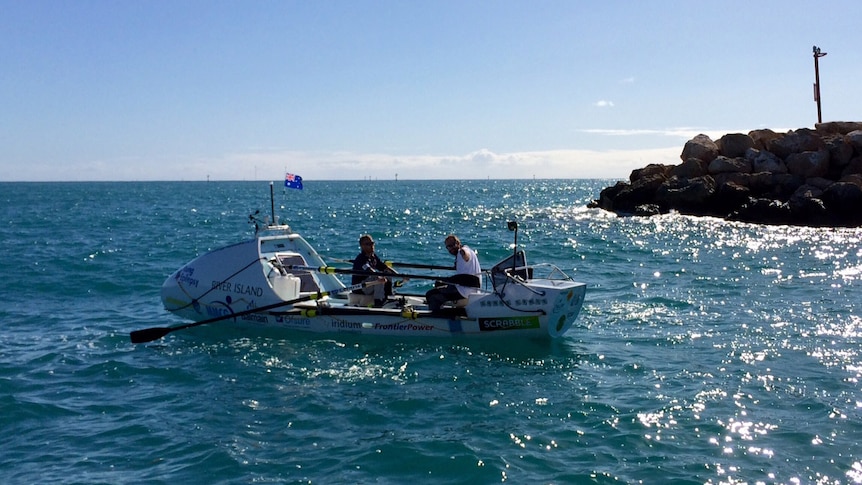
[[231, 90]]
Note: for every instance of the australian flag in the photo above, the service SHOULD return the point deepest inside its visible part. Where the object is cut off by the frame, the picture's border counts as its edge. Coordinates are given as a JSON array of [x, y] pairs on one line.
[[292, 181]]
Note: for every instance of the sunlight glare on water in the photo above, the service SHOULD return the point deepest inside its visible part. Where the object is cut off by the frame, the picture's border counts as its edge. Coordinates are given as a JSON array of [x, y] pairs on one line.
[[707, 351]]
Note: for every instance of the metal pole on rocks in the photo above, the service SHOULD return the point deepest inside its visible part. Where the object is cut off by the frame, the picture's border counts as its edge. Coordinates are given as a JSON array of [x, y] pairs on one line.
[[817, 55]]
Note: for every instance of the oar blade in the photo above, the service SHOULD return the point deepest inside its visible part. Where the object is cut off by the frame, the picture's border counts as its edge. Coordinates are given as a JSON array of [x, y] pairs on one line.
[[149, 334]]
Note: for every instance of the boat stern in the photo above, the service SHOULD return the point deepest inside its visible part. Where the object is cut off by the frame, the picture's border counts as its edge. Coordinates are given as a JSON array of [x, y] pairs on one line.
[[219, 283], [177, 290], [565, 308]]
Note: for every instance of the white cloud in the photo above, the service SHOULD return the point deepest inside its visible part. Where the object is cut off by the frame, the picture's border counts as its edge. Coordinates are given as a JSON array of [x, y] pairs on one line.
[[686, 133], [480, 164], [604, 104], [270, 165]]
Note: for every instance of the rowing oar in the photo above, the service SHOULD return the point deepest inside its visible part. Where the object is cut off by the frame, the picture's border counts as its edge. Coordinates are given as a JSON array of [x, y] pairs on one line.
[[458, 279], [155, 333], [395, 264], [417, 265]]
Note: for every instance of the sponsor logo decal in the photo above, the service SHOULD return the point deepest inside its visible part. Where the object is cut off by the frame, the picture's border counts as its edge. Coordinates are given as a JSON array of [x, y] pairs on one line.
[[508, 323], [238, 288], [538, 301], [400, 327], [185, 276]]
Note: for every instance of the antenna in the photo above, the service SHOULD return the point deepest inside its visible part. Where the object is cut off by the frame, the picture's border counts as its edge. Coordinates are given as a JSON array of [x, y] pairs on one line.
[[513, 226], [272, 204]]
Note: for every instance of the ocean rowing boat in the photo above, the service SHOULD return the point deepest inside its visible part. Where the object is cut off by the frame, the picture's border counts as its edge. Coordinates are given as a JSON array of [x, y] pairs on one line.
[[277, 279]]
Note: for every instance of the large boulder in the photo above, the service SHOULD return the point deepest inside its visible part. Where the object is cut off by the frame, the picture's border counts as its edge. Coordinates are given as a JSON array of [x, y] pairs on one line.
[[780, 186], [801, 140], [840, 152], [734, 145], [763, 184], [730, 197], [701, 147], [642, 191], [649, 171], [764, 161], [854, 167], [854, 138], [838, 127], [741, 179], [763, 137], [845, 200], [806, 191], [722, 164], [808, 163], [763, 211], [807, 207], [819, 182], [693, 167], [608, 194], [689, 196]]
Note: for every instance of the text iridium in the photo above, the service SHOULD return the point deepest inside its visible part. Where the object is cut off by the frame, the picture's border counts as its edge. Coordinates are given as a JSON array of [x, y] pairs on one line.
[[404, 327]]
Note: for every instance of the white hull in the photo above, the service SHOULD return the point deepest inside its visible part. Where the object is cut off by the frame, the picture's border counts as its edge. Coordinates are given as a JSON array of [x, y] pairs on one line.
[[253, 274]]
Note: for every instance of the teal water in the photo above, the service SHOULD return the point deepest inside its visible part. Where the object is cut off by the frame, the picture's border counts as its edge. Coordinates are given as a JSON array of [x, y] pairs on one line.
[[707, 351]]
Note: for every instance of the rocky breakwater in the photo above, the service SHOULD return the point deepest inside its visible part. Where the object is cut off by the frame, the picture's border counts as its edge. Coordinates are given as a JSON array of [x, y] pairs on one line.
[[802, 177]]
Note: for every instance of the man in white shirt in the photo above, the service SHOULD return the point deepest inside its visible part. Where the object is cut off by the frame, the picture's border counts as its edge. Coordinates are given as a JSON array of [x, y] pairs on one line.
[[466, 263]]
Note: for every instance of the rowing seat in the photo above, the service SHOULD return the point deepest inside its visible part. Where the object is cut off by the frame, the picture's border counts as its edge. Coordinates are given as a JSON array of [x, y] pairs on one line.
[[457, 303], [354, 299]]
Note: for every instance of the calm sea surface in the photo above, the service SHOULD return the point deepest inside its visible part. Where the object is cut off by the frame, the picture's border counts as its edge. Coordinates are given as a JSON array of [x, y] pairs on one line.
[[707, 351]]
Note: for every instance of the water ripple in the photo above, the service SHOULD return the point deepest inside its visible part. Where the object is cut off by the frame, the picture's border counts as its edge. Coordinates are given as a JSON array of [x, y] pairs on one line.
[[707, 351]]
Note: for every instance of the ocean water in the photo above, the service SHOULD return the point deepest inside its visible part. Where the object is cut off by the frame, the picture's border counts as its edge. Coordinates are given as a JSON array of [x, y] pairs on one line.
[[707, 351]]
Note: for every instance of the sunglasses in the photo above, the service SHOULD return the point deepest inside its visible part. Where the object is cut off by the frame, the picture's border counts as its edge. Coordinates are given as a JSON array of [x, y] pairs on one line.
[[452, 246]]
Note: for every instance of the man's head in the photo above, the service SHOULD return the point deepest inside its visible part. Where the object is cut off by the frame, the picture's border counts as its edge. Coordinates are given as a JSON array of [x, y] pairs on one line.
[[453, 244], [366, 243]]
